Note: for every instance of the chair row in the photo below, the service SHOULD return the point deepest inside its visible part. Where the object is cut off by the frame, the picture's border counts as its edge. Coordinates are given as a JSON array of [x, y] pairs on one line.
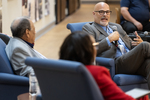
[[14, 85], [9, 82], [65, 80]]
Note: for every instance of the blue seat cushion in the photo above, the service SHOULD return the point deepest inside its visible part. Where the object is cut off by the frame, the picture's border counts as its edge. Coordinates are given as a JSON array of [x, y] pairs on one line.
[[76, 26], [125, 79]]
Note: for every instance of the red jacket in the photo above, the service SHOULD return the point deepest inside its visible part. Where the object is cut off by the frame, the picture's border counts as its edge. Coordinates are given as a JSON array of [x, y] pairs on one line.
[[109, 89]]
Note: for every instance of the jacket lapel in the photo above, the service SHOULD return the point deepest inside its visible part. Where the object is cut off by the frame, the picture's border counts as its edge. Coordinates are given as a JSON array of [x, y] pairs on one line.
[[100, 29]]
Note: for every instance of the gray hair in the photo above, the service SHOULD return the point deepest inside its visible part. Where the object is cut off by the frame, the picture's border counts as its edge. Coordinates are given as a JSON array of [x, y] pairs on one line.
[[19, 26]]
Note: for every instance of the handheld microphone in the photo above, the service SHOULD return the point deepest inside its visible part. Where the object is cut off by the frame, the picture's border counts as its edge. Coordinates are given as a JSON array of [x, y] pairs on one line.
[[115, 29]]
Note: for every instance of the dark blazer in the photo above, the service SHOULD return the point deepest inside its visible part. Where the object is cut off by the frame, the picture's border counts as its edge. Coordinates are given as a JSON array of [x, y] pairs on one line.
[[100, 36]]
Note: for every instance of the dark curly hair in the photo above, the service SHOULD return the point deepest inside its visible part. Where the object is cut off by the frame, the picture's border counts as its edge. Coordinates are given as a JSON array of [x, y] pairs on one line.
[[77, 47]]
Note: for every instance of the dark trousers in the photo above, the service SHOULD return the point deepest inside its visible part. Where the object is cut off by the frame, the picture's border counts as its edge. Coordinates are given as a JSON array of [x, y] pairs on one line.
[[130, 27], [136, 61]]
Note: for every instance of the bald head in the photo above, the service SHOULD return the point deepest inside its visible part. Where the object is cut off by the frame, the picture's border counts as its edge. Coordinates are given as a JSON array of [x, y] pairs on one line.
[[100, 5], [101, 13], [19, 26]]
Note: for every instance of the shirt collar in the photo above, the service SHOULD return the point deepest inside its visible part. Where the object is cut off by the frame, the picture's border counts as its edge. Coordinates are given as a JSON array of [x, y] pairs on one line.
[[105, 27], [30, 44]]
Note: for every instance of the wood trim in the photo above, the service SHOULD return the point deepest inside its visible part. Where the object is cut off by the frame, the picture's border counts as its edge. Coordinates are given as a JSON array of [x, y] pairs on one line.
[[57, 10], [118, 13], [63, 7]]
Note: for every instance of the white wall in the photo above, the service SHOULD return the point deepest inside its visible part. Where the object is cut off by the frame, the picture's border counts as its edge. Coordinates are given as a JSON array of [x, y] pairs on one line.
[[10, 10], [13, 8]]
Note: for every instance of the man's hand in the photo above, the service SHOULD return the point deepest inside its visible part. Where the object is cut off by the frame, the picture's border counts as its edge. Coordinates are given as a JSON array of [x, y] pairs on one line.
[[113, 36], [138, 25], [137, 40]]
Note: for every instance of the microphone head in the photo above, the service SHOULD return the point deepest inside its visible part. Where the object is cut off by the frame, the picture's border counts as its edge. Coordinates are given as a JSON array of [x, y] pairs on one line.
[[145, 33], [115, 28]]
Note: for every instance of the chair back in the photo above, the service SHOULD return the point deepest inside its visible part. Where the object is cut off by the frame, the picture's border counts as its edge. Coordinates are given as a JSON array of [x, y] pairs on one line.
[[5, 65], [5, 38], [76, 26], [64, 80]]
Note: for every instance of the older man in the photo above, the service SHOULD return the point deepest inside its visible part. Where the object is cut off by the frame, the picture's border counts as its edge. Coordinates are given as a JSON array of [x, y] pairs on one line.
[[21, 45], [114, 43]]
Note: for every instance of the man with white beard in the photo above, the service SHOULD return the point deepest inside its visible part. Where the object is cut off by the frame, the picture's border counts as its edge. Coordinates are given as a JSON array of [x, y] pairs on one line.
[[115, 43]]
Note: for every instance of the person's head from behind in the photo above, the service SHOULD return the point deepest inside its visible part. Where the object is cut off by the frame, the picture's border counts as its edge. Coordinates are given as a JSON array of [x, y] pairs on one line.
[[101, 13], [23, 27], [78, 46]]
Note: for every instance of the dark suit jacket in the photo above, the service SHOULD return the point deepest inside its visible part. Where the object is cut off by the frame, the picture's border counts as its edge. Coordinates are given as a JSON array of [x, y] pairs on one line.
[[100, 36]]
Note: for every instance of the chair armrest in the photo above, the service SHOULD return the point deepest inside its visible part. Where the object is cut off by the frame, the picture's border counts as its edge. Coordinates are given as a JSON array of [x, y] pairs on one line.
[[6, 78], [108, 63]]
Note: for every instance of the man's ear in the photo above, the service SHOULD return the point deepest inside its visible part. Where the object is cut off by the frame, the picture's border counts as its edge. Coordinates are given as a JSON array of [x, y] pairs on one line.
[[27, 33], [93, 13]]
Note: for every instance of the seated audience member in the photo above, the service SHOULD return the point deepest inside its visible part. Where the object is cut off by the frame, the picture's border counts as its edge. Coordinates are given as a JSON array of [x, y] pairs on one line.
[[21, 45], [81, 47], [135, 15], [131, 57]]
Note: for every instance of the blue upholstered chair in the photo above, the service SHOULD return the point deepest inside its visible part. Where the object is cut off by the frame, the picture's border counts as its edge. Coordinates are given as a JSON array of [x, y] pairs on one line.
[[5, 38], [64, 80], [75, 26], [11, 85], [124, 81]]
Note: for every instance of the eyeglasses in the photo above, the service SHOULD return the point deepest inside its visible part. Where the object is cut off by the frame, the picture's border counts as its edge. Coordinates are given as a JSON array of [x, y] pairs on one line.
[[96, 45], [102, 12]]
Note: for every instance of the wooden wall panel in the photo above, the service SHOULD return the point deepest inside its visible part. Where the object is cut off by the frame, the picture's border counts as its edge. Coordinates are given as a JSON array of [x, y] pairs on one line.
[[63, 7], [71, 6], [57, 8]]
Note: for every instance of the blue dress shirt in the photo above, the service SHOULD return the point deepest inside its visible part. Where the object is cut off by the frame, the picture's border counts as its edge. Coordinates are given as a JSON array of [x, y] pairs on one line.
[[108, 30]]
